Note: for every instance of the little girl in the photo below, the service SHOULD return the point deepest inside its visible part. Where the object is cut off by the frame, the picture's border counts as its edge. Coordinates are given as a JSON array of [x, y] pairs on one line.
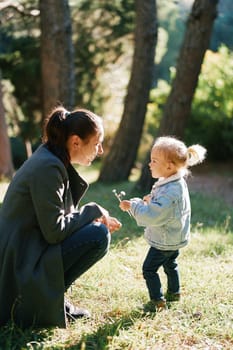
[[165, 213]]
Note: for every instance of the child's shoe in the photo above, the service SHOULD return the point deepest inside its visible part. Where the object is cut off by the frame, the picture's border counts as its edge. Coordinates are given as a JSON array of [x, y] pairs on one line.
[[155, 305], [172, 296]]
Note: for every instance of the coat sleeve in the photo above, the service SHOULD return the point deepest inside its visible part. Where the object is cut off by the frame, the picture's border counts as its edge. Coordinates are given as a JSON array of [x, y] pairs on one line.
[[155, 213], [56, 222]]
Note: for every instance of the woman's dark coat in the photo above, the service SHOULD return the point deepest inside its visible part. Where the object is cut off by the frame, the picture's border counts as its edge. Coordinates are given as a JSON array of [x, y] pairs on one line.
[[36, 216]]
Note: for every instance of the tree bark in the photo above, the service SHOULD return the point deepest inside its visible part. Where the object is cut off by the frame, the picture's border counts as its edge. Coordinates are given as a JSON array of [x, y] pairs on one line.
[[120, 160], [56, 55], [179, 102], [6, 165]]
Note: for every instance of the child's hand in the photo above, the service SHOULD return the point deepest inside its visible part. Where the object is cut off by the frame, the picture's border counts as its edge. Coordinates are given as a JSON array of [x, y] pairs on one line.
[[147, 198], [124, 205]]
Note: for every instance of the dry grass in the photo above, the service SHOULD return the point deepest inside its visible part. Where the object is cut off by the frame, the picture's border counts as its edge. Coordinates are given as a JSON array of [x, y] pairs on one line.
[[114, 291]]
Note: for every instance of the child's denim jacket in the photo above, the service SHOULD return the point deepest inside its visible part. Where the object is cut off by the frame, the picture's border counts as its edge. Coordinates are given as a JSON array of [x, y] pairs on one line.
[[167, 215]]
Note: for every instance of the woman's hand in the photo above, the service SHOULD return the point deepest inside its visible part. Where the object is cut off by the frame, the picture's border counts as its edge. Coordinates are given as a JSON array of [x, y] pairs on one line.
[[112, 223]]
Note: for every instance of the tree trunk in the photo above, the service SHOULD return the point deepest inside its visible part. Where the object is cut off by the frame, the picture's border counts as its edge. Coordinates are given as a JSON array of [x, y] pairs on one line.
[[56, 55], [6, 165], [178, 105], [120, 160]]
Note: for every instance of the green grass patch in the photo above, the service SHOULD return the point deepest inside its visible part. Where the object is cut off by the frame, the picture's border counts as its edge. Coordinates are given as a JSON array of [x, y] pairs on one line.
[[114, 290]]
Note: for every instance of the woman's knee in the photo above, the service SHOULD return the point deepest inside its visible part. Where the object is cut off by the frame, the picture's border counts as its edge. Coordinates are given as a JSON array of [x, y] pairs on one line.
[[103, 235]]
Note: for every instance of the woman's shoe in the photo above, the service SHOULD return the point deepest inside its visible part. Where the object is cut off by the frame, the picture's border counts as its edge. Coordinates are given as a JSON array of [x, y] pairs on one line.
[[73, 312]]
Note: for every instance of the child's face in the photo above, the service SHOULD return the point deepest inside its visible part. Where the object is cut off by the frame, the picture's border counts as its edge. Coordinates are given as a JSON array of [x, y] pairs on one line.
[[160, 166]]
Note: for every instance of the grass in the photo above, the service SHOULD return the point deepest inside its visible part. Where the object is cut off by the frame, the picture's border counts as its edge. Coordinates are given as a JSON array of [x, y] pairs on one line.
[[114, 290]]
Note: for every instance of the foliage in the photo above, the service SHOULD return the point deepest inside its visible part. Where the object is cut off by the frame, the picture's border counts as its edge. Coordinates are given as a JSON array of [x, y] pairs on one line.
[[101, 32], [19, 39], [211, 122], [21, 68], [223, 26], [154, 112], [20, 126], [171, 16], [23, 63], [115, 292], [155, 106], [102, 36]]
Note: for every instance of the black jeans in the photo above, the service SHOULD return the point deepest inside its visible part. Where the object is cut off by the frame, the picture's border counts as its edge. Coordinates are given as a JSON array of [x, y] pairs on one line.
[[83, 249], [154, 260]]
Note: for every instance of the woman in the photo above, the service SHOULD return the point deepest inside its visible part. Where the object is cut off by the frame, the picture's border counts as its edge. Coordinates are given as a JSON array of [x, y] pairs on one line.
[[46, 242]]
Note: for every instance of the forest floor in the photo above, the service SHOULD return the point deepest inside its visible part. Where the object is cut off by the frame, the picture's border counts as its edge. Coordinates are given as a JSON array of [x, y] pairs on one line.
[[213, 180]]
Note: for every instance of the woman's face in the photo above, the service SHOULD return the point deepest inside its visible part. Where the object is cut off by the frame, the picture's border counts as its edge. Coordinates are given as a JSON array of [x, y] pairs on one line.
[[82, 152]]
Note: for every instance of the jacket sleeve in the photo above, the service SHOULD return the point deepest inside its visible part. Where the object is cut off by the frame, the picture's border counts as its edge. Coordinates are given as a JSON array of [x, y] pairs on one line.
[[155, 213], [56, 222]]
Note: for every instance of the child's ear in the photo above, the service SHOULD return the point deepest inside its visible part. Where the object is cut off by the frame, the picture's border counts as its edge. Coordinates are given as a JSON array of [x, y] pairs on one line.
[[170, 166]]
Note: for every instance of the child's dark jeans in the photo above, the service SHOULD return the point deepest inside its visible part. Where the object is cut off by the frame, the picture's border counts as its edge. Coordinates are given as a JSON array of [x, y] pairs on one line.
[[154, 260]]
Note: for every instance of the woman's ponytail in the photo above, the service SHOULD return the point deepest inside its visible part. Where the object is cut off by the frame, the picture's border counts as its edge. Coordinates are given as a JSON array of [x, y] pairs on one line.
[[56, 133]]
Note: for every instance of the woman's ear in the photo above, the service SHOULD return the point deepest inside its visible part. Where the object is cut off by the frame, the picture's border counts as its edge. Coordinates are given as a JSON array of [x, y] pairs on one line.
[[75, 141]]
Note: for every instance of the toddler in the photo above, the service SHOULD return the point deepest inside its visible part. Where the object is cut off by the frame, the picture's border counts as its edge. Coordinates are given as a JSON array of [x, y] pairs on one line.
[[165, 214]]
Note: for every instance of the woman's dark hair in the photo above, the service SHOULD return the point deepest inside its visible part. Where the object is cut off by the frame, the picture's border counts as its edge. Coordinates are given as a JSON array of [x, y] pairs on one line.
[[61, 124]]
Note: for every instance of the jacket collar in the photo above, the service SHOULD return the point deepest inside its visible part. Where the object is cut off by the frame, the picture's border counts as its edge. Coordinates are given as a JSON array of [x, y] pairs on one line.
[[78, 185], [162, 181]]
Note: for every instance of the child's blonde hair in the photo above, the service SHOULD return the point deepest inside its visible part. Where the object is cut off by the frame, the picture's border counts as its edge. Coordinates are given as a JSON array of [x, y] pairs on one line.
[[178, 153]]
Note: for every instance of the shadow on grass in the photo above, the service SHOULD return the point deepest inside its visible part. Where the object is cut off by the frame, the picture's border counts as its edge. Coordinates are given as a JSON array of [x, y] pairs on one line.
[[102, 338], [14, 338]]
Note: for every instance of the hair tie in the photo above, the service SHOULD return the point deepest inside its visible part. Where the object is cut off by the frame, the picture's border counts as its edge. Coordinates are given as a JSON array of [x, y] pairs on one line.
[[67, 114], [64, 115]]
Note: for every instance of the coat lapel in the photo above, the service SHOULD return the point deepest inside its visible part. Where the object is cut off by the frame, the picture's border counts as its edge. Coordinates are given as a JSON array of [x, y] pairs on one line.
[[78, 185]]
